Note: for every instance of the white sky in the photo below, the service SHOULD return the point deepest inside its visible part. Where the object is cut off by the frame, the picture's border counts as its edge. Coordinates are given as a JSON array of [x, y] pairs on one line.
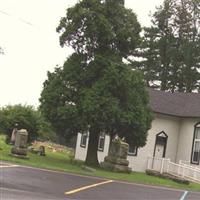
[[31, 44]]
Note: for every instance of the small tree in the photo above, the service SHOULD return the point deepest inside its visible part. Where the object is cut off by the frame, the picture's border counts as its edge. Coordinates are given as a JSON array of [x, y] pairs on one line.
[[26, 117]]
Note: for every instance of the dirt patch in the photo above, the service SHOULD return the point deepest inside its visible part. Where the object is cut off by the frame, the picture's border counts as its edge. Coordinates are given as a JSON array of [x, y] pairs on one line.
[[53, 147]]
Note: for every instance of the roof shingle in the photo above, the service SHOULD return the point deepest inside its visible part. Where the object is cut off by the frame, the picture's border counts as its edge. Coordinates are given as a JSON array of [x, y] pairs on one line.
[[176, 104]]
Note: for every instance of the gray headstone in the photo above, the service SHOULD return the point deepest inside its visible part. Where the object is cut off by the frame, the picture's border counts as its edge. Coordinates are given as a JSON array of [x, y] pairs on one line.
[[20, 148], [41, 151], [117, 157], [21, 138]]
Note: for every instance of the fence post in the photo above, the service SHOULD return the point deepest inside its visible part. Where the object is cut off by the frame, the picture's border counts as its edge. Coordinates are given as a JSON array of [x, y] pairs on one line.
[[183, 172], [178, 170], [152, 163], [195, 175], [148, 162], [162, 165], [168, 160]]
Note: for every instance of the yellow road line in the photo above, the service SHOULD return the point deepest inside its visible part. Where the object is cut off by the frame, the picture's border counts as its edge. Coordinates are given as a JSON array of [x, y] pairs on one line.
[[87, 187]]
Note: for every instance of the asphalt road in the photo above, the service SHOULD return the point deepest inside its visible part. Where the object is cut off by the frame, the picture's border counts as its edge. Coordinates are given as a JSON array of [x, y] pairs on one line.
[[26, 183]]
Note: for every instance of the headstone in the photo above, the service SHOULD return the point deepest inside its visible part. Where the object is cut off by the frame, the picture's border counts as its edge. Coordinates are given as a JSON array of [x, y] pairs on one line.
[[41, 151], [13, 135], [20, 147], [117, 157]]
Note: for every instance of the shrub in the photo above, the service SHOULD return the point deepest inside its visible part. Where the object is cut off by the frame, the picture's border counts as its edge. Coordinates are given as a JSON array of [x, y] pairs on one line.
[[27, 118]]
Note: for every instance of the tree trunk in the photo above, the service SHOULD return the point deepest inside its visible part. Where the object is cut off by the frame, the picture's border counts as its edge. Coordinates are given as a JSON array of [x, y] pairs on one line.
[[91, 158]]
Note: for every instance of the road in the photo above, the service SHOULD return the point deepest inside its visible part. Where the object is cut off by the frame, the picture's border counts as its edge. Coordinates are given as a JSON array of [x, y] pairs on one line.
[[27, 183]]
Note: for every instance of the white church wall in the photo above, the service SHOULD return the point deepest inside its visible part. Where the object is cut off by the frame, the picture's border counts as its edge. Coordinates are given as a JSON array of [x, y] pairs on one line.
[[170, 125], [186, 138], [179, 142]]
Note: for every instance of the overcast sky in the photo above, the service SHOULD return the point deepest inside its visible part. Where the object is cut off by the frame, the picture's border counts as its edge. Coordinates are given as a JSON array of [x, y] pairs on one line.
[[31, 44]]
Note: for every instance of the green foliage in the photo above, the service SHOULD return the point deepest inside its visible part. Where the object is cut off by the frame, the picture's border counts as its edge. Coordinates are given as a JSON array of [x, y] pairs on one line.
[[101, 27], [59, 96], [27, 118], [117, 103], [95, 91], [45, 129], [106, 95], [170, 48]]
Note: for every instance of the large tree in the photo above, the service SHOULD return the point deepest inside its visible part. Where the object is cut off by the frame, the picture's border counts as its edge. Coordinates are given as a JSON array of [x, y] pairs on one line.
[[95, 91], [171, 47]]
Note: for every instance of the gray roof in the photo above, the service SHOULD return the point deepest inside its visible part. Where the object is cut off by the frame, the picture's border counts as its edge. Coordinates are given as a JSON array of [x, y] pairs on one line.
[[176, 104]]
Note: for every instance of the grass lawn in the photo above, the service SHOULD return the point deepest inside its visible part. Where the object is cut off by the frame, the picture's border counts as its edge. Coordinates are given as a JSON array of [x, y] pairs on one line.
[[61, 162]]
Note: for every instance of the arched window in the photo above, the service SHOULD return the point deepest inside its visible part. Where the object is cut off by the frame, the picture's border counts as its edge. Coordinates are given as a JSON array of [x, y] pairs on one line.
[[196, 145]]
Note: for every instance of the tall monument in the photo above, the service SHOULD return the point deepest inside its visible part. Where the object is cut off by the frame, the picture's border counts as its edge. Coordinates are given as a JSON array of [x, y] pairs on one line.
[[117, 157]]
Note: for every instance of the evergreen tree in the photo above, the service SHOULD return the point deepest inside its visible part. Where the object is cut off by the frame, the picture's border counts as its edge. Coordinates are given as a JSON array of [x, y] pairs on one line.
[[171, 47]]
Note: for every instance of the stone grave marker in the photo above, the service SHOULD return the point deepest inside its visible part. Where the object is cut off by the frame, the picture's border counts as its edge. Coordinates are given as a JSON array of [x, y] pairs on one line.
[[41, 150], [117, 157], [20, 147]]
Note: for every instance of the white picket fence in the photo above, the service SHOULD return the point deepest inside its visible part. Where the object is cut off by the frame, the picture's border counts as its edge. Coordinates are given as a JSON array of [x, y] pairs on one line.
[[163, 165], [187, 163]]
